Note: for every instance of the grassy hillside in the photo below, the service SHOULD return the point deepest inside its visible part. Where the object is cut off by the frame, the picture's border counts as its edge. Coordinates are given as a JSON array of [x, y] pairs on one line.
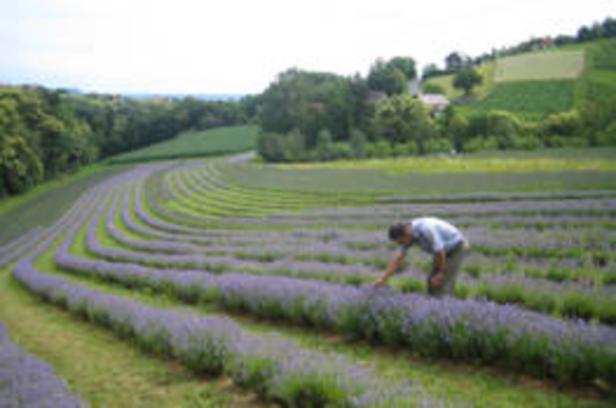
[[446, 82], [529, 99], [539, 83], [196, 144], [504, 171], [540, 66]]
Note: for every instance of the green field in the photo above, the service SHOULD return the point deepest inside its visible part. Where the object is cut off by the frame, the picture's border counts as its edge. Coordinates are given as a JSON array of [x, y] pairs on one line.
[[446, 82], [543, 170], [195, 144], [530, 99], [535, 84], [210, 195], [47, 201], [540, 66]]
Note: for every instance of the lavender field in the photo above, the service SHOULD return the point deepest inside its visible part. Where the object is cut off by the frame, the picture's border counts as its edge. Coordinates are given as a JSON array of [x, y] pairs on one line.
[[231, 282]]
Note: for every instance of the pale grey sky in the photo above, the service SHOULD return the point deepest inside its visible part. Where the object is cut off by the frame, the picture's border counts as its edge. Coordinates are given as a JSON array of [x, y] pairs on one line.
[[238, 46]]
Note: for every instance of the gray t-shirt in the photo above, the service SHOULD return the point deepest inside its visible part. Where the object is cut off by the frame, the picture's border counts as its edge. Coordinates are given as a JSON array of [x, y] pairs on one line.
[[434, 235]]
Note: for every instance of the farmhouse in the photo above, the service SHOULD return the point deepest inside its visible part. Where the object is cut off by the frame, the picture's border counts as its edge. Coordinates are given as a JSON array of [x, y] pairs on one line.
[[437, 102]]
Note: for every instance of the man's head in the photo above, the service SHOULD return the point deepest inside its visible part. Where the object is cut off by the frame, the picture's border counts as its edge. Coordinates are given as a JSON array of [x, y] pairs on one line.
[[401, 233]]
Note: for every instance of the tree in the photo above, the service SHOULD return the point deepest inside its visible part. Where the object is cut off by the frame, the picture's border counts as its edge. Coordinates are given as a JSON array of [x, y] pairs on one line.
[[456, 61], [392, 77], [402, 119], [309, 102], [429, 70], [466, 80], [406, 65]]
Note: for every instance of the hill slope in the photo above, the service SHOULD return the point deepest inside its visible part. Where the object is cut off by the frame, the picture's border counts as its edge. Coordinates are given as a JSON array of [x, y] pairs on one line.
[[211, 142], [539, 83]]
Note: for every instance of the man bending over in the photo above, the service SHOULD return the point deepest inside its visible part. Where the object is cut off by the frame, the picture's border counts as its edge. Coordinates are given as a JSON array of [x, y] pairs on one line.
[[437, 237]]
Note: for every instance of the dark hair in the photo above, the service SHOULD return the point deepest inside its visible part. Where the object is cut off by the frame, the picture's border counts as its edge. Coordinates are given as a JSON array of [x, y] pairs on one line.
[[397, 231]]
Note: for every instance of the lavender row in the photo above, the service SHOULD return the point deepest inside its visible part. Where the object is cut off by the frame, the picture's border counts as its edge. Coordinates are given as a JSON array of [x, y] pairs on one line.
[[272, 366], [537, 294], [29, 382], [511, 207], [460, 329], [15, 249], [491, 196]]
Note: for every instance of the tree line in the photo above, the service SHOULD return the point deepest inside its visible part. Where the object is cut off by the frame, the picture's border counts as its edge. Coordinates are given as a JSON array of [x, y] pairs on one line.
[[45, 133], [321, 116]]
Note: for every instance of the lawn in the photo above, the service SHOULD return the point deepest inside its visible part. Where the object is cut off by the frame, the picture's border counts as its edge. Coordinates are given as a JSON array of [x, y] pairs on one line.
[[224, 140], [540, 66]]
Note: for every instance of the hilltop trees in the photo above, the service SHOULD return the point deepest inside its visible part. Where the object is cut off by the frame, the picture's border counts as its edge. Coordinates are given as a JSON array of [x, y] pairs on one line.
[[392, 77], [403, 119], [467, 79]]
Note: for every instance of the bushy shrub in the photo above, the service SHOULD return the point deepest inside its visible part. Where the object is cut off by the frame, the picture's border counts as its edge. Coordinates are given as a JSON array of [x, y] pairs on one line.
[[342, 150], [432, 88], [378, 149], [559, 141], [358, 143], [527, 142], [480, 143], [404, 149], [324, 149], [607, 137], [563, 124], [277, 147], [438, 145], [504, 126]]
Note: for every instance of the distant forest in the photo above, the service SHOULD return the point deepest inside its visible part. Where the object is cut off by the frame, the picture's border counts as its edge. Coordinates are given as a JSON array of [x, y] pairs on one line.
[[45, 133]]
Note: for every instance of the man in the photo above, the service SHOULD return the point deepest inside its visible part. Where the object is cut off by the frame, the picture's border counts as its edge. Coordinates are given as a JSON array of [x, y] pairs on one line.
[[437, 237]]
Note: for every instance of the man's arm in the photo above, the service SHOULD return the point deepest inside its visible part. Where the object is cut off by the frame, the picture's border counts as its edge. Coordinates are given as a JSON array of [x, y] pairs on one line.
[[440, 264], [392, 267]]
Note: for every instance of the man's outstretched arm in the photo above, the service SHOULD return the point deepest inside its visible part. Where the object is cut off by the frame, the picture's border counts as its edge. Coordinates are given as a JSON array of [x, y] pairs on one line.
[[392, 267]]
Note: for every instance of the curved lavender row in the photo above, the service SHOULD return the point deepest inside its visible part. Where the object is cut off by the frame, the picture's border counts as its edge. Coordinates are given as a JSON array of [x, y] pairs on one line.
[[31, 239], [273, 366], [318, 270], [146, 245], [607, 204], [607, 222], [26, 381], [490, 196], [18, 247], [469, 329], [278, 258], [18, 241]]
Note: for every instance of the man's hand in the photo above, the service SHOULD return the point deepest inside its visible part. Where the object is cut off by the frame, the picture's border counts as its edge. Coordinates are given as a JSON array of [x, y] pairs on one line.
[[392, 267], [382, 280], [437, 279]]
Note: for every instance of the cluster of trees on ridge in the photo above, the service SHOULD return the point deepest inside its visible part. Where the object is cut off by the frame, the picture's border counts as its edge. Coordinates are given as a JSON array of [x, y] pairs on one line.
[[45, 133], [308, 116], [456, 61], [318, 116]]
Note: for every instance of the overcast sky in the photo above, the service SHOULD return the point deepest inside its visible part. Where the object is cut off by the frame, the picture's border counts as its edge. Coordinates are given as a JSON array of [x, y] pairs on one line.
[[238, 46]]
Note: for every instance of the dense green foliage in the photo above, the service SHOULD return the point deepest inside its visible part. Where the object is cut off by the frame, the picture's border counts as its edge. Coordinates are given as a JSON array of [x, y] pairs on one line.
[[45, 133], [310, 125], [391, 77], [195, 143]]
